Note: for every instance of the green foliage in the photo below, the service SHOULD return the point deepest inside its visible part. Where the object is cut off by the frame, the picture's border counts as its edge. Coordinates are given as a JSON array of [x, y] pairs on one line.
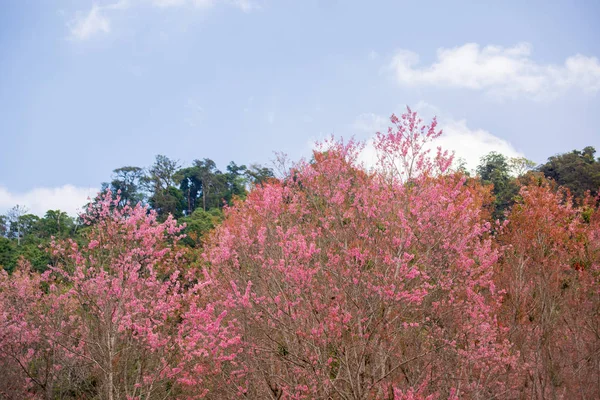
[[36, 254], [199, 224], [29, 235], [194, 195], [160, 181], [520, 165], [168, 201], [14, 222], [494, 169], [236, 181], [162, 173], [31, 250], [3, 225], [7, 254], [190, 186], [23, 226], [211, 181], [204, 186], [128, 182], [578, 171], [55, 223], [257, 175]]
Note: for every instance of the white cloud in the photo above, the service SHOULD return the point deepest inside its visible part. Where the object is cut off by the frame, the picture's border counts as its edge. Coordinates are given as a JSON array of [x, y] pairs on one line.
[[468, 144], [85, 26], [96, 21], [66, 198], [471, 144], [499, 71]]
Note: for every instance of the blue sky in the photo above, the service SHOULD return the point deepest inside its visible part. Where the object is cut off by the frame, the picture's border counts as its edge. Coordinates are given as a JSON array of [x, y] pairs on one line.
[[90, 86]]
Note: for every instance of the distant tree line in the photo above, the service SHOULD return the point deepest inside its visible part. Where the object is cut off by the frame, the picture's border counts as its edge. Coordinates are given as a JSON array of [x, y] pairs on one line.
[[578, 171], [169, 188], [194, 195]]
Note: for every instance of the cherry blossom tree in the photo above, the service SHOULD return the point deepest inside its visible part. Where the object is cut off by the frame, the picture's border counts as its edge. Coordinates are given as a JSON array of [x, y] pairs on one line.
[[358, 285], [36, 328], [125, 306]]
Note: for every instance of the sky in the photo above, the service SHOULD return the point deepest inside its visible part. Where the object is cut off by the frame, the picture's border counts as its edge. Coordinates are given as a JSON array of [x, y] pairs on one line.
[[90, 86]]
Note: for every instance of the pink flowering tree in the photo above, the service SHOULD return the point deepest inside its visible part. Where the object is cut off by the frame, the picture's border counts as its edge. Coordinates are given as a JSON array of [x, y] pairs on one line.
[[37, 326], [348, 284], [138, 321]]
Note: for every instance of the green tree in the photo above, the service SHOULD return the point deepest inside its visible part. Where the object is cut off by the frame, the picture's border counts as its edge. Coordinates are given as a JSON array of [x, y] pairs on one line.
[[55, 223], [203, 185], [160, 182], [168, 201], [190, 187], [25, 228], [236, 181], [14, 217], [519, 166], [578, 171], [162, 173], [128, 181], [35, 253], [258, 174], [212, 183], [3, 225], [28, 235], [494, 169], [7, 254]]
